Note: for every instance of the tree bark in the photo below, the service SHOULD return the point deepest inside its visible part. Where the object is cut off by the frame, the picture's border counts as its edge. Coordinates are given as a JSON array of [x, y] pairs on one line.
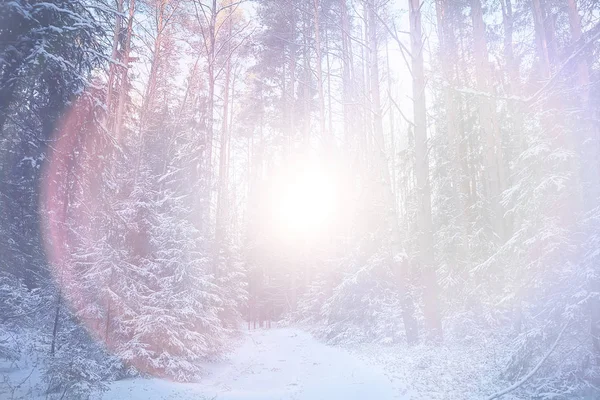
[[329, 97], [583, 72], [307, 99], [424, 220], [542, 43], [346, 60], [222, 204], [319, 65], [124, 89], [488, 118], [456, 153], [391, 122], [113, 69], [398, 255], [211, 88], [291, 97]]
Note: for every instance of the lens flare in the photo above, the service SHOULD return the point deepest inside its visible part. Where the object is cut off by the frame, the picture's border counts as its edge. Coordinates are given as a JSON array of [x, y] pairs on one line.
[[304, 202], [73, 202]]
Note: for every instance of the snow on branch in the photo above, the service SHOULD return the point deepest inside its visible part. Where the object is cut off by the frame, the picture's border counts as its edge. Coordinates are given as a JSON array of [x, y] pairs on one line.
[[533, 371]]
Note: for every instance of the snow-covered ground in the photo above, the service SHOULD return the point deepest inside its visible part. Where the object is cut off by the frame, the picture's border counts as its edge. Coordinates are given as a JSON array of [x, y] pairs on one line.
[[289, 363], [282, 363]]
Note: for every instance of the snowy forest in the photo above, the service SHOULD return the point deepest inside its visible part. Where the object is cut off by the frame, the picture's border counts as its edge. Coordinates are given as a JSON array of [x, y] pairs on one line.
[[411, 187]]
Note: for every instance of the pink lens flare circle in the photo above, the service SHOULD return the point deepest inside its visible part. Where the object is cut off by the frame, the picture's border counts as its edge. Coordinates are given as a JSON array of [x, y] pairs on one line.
[[74, 203]]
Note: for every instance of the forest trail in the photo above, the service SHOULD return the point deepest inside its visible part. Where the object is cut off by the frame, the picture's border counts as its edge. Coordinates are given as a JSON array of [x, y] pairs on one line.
[[282, 363]]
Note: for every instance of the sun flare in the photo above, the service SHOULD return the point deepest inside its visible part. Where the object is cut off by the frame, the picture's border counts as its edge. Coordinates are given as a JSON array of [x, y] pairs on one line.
[[304, 199]]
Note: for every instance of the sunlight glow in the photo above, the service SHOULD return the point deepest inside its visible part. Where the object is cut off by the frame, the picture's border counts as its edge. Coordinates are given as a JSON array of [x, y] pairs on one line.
[[304, 200]]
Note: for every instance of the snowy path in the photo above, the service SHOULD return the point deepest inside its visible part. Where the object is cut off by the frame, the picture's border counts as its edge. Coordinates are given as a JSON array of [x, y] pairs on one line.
[[269, 365]]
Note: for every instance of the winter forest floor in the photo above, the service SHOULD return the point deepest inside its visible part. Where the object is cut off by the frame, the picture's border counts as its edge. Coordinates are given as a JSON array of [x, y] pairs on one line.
[[280, 363], [291, 364]]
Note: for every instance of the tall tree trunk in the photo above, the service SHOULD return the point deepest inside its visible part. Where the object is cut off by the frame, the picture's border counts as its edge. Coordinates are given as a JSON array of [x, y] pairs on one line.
[[149, 98], [398, 256], [202, 170], [119, 82], [542, 42], [456, 154], [552, 104], [392, 125], [346, 71], [211, 86], [329, 96], [583, 72], [365, 129], [493, 157], [319, 65], [150, 92], [124, 84], [424, 221], [515, 114], [511, 66], [291, 89], [589, 145], [232, 193], [222, 206], [113, 69], [306, 89], [586, 131]]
